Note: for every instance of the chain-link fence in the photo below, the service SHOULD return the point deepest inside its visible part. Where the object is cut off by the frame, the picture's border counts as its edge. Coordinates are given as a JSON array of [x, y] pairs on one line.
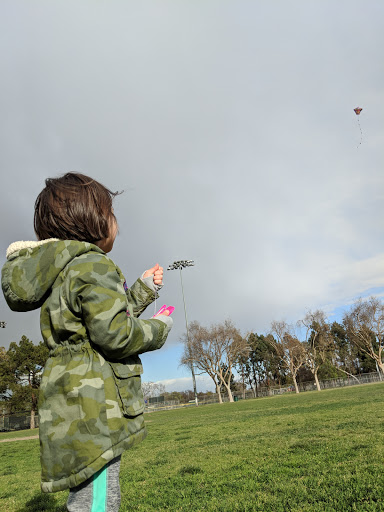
[[365, 378], [17, 421], [22, 420]]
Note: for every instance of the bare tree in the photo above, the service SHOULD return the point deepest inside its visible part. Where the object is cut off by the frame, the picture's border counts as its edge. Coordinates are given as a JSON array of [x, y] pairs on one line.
[[193, 347], [152, 389], [215, 351], [365, 328], [288, 347], [318, 341]]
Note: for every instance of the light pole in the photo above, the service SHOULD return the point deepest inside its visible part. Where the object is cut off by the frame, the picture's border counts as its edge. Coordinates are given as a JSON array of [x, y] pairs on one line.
[[2, 325], [180, 265]]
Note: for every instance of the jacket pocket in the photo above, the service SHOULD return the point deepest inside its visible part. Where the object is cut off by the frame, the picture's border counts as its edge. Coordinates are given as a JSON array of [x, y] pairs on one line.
[[128, 384]]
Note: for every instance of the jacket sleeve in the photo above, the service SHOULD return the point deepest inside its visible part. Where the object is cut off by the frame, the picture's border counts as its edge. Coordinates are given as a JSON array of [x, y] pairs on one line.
[[139, 296], [95, 293]]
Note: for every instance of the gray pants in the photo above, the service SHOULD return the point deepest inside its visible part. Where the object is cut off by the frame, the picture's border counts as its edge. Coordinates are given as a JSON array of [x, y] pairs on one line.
[[101, 493]]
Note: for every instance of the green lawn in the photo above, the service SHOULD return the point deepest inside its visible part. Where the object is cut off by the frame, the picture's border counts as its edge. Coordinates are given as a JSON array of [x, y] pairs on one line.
[[13, 434], [318, 451]]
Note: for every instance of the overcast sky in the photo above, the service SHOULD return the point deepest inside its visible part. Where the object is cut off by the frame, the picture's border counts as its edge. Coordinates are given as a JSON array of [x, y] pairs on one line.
[[230, 127]]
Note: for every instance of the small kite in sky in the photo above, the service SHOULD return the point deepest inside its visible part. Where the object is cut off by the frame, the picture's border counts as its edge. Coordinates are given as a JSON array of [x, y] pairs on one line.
[[357, 111]]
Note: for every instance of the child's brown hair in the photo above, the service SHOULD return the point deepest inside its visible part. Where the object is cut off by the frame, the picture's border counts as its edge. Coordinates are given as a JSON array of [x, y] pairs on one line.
[[74, 207]]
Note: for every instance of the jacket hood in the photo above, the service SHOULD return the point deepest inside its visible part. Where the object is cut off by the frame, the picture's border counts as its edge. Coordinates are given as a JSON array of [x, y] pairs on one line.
[[32, 268]]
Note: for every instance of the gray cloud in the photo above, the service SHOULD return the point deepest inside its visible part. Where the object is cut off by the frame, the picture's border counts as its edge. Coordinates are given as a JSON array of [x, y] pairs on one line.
[[229, 125]]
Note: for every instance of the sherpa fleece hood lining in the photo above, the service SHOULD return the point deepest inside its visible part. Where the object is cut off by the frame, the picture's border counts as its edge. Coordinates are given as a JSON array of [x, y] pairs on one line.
[[33, 266], [17, 246]]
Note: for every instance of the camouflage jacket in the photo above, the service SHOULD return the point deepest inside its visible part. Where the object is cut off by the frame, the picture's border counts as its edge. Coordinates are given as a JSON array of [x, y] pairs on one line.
[[90, 401]]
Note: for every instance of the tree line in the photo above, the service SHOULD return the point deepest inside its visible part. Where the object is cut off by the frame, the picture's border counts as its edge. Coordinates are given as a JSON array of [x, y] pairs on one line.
[[20, 374], [312, 348]]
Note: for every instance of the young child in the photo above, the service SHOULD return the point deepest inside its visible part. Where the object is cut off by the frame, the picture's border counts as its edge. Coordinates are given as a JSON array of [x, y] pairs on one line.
[[90, 403]]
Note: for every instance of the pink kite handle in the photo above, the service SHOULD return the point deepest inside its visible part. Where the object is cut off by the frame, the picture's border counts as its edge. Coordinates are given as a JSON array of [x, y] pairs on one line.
[[171, 309], [163, 308]]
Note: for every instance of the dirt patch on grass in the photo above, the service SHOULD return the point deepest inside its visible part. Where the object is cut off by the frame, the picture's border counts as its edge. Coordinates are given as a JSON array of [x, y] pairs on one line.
[[18, 439], [35, 437]]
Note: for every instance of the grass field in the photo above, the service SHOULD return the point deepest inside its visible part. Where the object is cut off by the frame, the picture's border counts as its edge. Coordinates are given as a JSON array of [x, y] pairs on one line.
[[318, 451]]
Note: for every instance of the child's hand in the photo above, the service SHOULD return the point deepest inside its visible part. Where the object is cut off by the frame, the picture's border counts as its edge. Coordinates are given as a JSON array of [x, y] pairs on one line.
[[164, 310], [165, 313], [157, 273]]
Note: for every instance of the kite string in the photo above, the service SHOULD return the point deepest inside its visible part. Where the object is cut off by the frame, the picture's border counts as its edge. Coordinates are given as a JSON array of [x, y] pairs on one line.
[[154, 311], [361, 133]]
